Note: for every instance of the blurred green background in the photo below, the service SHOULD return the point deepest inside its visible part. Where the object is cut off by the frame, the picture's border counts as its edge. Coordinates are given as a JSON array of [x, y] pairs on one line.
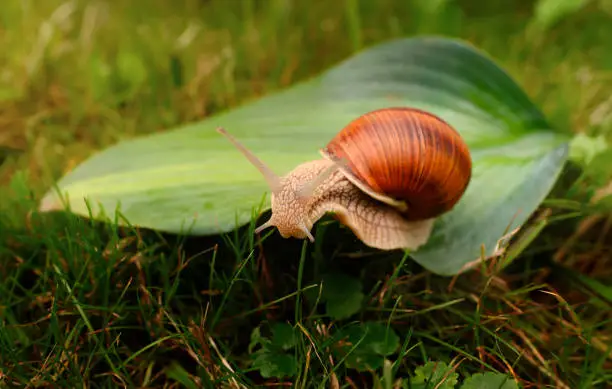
[[80, 75]]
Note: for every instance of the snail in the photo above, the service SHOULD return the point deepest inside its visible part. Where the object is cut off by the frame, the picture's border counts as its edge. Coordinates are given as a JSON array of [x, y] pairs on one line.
[[387, 176]]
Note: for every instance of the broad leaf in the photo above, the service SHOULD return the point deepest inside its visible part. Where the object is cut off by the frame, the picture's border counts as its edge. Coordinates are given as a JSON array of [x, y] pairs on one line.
[[342, 295], [283, 336], [193, 180], [489, 380], [365, 345], [271, 359], [434, 374], [272, 364]]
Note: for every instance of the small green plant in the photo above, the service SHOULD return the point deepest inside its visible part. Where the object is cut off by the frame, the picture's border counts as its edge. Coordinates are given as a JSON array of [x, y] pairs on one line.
[[364, 346], [439, 375], [271, 354], [489, 380], [340, 294]]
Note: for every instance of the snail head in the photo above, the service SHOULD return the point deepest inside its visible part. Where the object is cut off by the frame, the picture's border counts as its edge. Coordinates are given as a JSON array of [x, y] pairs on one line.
[[290, 194]]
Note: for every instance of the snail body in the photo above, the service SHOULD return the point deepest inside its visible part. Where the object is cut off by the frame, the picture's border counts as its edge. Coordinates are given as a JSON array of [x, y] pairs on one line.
[[387, 175]]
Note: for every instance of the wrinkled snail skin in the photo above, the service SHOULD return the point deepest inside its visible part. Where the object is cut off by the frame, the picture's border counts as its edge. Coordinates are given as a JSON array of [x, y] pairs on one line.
[[387, 175], [376, 224]]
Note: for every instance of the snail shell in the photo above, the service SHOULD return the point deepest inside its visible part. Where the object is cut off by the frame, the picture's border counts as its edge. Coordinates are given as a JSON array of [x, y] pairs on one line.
[[405, 157]]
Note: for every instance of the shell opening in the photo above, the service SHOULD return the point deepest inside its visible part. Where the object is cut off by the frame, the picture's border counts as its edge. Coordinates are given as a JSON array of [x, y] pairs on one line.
[[342, 164]]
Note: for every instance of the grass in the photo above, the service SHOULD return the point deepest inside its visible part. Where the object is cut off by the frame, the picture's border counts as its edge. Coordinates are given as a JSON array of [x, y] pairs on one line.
[[107, 306]]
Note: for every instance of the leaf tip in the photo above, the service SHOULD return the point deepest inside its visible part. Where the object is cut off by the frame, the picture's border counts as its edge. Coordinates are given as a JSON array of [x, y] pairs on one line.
[[49, 203]]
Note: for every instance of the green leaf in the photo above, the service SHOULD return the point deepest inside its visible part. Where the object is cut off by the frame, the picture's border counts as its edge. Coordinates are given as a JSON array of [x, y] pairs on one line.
[[342, 295], [584, 148], [283, 336], [339, 309], [176, 372], [434, 374], [131, 70], [272, 364], [597, 171], [365, 345], [270, 359], [257, 340], [99, 74], [193, 180], [489, 380], [381, 339]]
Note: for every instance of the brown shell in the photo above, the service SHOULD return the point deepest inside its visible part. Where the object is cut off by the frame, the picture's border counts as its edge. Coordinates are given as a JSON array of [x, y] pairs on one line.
[[408, 155]]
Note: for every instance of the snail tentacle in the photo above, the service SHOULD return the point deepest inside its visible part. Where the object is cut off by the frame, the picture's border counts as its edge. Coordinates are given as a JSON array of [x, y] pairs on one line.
[[271, 178], [307, 189]]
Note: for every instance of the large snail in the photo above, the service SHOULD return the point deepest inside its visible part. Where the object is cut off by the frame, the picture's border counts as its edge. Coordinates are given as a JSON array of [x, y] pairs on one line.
[[387, 175]]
